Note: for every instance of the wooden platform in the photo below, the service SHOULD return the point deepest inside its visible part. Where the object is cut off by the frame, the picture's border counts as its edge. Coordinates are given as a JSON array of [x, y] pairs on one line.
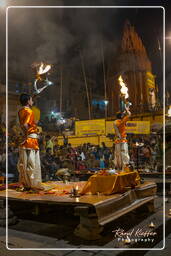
[[94, 210]]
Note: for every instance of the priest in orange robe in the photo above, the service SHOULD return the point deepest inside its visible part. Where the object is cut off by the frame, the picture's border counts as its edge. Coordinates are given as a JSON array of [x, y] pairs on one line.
[[29, 159], [121, 157]]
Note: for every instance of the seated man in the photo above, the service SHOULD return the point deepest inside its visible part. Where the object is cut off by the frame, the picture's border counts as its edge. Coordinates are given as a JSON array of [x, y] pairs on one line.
[[49, 143], [49, 164]]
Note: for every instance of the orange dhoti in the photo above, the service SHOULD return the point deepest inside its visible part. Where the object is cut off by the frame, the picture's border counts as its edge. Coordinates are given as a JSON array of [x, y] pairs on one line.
[[121, 157], [29, 168]]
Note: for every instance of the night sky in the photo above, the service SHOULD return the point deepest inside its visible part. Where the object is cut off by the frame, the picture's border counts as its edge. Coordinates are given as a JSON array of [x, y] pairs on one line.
[[55, 35]]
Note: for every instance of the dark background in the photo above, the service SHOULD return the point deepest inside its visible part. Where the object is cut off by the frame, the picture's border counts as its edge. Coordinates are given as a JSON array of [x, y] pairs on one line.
[[55, 35]]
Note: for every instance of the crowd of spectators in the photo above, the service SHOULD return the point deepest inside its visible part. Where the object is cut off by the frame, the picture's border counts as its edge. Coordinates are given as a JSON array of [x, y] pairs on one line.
[[59, 125], [145, 154]]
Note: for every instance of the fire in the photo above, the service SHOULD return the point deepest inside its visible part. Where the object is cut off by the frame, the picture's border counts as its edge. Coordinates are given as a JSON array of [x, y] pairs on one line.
[[42, 76], [43, 69], [124, 89], [169, 111], [151, 225]]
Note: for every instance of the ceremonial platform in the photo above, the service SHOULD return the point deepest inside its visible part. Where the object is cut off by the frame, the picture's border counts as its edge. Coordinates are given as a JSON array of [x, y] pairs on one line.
[[95, 207]]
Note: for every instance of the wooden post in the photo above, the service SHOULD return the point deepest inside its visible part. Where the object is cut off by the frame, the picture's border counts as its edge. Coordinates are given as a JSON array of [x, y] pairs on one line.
[[89, 227], [86, 86], [104, 79], [61, 80]]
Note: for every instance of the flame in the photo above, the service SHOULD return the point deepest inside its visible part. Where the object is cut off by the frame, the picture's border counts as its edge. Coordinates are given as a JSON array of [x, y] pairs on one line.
[[43, 68], [124, 89], [169, 111], [76, 187], [151, 225], [127, 240]]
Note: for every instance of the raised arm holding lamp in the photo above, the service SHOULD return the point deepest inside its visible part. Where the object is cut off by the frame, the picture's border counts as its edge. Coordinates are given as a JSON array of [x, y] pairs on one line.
[[121, 155], [29, 159]]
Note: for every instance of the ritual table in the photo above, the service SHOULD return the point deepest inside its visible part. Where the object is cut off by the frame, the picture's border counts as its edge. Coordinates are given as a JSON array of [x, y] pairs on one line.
[[109, 184], [94, 211]]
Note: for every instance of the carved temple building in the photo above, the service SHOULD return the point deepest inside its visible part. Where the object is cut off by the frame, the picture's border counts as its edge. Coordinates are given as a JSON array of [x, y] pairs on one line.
[[133, 64]]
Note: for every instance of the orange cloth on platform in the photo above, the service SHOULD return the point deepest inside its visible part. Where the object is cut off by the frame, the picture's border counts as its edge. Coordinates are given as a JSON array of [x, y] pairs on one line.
[[109, 184], [121, 125], [26, 116]]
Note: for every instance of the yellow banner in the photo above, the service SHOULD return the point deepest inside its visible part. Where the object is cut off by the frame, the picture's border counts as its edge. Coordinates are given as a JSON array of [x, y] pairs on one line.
[[138, 127], [109, 127], [135, 127], [90, 127], [100, 127]]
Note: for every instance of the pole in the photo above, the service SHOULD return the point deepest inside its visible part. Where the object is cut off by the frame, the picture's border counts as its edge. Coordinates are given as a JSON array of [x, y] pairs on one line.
[[159, 48], [61, 91], [137, 159], [104, 79], [86, 86]]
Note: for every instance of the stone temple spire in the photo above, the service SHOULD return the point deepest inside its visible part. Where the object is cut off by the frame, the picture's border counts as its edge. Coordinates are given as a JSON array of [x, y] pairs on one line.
[[133, 53], [133, 64]]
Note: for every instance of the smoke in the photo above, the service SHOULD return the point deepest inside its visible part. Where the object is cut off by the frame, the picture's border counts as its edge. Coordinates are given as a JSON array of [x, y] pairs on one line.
[[54, 35], [73, 29], [55, 40], [92, 28]]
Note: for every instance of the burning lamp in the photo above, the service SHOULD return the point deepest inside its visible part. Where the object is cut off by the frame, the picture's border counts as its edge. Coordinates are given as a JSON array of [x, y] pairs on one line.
[[169, 111], [42, 76], [169, 212], [127, 240], [75, 192], [124, 102], [151, 225]]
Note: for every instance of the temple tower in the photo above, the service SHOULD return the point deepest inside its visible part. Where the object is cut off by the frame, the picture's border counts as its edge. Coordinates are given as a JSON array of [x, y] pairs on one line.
[[134, 66]]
